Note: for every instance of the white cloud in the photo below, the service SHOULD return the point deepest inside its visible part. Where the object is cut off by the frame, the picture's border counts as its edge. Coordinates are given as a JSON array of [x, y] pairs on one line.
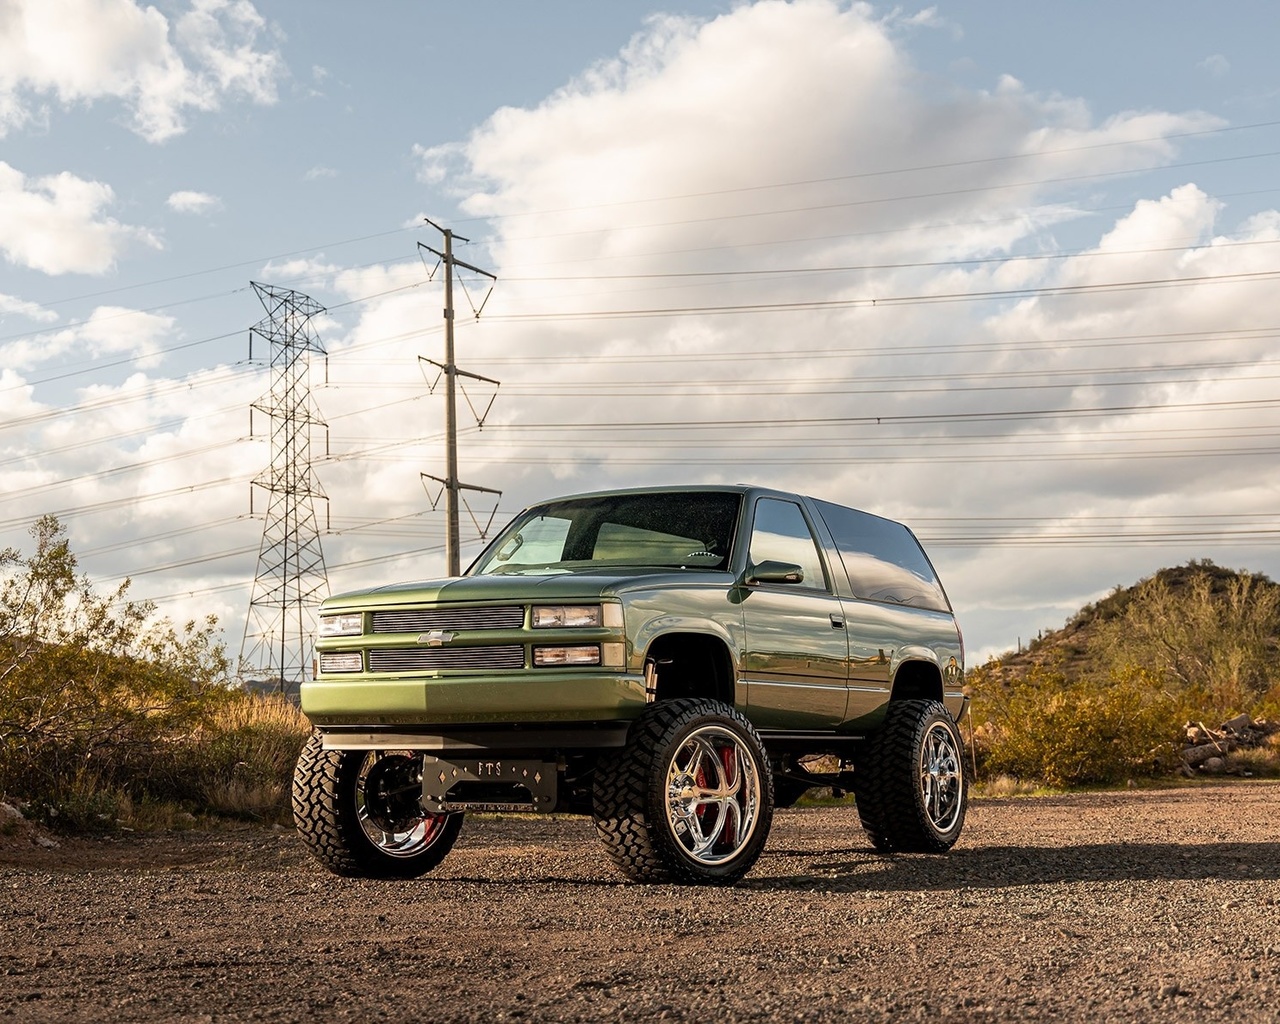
[[116, 330], [16, 395], [108, 331], [309, 272], [437, 164], [156, 472], [319, 173], [193, 202], [1216, 65], [926, 18], [83, 51], [55, 224], [31, 310]]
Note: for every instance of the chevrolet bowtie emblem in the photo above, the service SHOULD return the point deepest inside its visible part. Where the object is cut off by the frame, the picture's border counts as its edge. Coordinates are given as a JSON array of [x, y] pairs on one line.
[[436, 638]]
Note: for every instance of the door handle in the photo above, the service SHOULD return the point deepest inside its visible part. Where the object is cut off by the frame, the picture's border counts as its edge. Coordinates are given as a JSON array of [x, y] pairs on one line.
[[837, 622]]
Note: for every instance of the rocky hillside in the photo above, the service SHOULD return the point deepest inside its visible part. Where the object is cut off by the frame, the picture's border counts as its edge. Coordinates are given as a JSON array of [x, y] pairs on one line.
[[1068, 649], [1192, 649]]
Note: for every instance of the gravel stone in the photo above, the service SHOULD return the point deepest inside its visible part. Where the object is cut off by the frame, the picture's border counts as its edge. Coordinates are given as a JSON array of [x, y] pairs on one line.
[[1121, 906]]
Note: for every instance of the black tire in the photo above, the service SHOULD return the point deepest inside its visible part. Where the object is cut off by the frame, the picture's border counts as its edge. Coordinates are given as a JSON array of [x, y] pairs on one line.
[[689, 799], [910, 782], [360, 813]]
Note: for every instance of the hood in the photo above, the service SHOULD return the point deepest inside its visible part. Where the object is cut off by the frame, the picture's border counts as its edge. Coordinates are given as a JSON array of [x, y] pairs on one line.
[[566, 586]]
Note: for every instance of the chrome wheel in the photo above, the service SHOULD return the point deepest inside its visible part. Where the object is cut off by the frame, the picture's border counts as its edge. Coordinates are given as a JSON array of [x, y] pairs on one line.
[[941, 778], [713, 795], [688, 799], [388, 794]]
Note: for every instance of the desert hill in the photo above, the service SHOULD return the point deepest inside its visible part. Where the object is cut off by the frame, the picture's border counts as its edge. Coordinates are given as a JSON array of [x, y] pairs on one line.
[[1071, 650]]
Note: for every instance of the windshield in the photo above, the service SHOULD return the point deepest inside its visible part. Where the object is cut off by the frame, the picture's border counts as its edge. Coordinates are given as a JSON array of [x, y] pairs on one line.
[[685, 530]]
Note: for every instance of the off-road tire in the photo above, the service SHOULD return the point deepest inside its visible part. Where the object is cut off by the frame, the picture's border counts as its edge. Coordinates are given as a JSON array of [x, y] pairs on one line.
[[649, 810], [909, 780], [331, 815]]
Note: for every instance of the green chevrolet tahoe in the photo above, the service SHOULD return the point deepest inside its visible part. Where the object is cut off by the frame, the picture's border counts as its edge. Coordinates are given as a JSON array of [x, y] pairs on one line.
[[675, 662]]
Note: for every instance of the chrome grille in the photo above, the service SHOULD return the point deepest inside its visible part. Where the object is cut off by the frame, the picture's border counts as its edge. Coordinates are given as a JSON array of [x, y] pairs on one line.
[[404, 659], [419, 620]]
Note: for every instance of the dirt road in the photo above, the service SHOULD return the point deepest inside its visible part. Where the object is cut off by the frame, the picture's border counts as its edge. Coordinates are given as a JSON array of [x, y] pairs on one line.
[[1134, 906]]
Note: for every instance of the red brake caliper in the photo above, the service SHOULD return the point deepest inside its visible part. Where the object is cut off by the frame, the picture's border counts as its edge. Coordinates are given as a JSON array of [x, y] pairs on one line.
[[729, 760]]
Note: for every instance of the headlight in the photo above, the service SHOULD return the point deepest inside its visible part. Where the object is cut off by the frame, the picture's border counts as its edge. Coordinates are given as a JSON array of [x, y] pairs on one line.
[[341, 661], [348, 624], [549, 616], [585, 655]]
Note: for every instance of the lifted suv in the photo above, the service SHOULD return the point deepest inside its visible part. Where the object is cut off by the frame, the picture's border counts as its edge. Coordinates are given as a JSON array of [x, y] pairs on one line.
[[676, 663]]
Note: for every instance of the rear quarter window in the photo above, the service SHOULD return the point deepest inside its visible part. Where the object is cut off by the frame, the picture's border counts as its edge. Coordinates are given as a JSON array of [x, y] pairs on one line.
[[883, 559]]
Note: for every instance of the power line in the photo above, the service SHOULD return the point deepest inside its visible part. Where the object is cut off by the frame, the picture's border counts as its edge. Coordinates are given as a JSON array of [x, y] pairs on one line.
[[801, 271], [871, 302], [497, 218], [843, 351], [240, 265], [892, 172], [110, 471], [126, 501], [772, 423]]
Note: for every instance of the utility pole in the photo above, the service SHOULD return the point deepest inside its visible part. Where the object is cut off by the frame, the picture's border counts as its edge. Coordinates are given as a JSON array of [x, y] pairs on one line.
[[452, 485]]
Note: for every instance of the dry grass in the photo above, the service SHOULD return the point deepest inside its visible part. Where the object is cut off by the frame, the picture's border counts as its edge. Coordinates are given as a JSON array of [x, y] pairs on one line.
[[245, 758], [237, 765], [1004, 786], [1258, 762]]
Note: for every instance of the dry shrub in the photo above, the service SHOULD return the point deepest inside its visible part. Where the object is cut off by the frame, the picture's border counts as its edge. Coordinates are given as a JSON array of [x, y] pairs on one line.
[[1208, 632], [1075, 733], [107, 713], [1268, 706]]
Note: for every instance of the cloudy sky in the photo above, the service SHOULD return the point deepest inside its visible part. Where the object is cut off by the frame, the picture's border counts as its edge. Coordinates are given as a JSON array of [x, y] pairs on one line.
[[1006, 272]]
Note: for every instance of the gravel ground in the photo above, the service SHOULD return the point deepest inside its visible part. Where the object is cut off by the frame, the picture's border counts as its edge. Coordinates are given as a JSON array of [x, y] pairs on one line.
[[1133, 906]]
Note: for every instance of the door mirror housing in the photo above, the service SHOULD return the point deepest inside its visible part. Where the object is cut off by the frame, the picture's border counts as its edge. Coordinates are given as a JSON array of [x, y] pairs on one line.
[[770, 571]]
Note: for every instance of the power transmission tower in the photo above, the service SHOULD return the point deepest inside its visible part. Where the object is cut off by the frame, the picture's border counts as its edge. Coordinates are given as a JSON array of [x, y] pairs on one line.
[[449, 369], [277, 645]]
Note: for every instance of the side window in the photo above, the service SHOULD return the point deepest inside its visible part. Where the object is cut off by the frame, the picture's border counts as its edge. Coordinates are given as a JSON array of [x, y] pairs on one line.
[[781, 534], [884, 561]]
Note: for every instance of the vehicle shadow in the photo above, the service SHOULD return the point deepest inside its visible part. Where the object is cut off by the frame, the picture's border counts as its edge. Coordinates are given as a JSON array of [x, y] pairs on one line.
[[996, 867]]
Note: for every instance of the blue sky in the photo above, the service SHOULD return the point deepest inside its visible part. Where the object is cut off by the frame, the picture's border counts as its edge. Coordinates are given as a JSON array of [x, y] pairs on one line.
[[1005, 271]]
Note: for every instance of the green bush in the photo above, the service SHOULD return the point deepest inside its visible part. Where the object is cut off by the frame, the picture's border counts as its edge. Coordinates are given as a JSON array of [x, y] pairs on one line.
[[104, 710], [1064, 733]]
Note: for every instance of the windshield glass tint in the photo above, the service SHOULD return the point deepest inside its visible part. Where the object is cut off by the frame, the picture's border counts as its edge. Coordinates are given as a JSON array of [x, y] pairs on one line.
[[689, 530]]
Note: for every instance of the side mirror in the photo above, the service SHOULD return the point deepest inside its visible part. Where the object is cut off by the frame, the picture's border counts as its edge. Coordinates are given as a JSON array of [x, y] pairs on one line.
[[770, 571]]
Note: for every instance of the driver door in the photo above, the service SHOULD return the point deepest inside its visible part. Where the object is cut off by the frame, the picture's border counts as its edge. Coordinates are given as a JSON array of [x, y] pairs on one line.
[[796, 650]]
